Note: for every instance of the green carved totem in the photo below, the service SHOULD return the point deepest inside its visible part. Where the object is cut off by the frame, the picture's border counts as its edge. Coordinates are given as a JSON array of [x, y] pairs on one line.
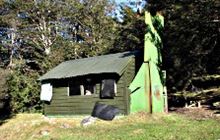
[[147, 88]]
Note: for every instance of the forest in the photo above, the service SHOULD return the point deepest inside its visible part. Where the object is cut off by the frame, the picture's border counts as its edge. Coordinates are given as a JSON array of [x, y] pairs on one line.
[[37, 35]]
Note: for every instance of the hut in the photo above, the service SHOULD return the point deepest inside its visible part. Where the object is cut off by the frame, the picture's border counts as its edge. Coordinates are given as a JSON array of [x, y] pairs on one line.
[[73, 87]]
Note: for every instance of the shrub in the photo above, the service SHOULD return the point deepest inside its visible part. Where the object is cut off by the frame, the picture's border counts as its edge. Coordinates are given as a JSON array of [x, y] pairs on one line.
[[24, 92]]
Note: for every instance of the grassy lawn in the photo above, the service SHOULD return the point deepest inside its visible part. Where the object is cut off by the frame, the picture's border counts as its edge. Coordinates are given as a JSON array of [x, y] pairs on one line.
[[134, 127]]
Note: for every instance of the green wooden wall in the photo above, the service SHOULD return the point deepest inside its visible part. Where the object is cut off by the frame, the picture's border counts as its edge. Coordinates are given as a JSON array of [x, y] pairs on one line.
[[62, 104]]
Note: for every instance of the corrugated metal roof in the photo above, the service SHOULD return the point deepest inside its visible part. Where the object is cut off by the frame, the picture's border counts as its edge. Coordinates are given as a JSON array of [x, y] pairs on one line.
[[112, 63]]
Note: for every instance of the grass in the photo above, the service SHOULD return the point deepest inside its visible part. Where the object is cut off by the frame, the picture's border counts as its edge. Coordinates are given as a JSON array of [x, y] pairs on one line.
[[134, 127]]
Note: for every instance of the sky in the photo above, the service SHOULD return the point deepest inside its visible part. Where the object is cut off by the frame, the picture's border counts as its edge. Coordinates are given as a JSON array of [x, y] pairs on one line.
[[133, 6], [123, 0], [134, 3]]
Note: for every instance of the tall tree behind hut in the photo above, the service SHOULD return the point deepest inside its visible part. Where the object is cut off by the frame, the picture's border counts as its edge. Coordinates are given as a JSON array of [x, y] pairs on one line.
[[50, 32]]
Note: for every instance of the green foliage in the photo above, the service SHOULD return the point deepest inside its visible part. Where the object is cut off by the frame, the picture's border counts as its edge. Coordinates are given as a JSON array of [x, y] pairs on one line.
[[130, 32], [4, 98], [191, 39], [3, 86], [97, 29], [24, 91], [4, 55]]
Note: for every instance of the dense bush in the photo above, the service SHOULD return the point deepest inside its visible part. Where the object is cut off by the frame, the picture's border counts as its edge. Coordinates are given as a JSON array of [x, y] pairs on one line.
[[4, 98], [24, 92]]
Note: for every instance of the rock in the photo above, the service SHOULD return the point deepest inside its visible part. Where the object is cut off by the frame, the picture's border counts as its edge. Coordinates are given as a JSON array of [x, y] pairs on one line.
[[65, 126], [88, 121], [44, 132]]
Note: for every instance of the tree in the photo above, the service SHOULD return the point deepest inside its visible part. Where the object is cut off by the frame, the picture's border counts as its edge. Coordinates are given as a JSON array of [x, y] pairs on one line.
[[130, 32], [9, 27], [191, 39], [49, 32], [93, 27]]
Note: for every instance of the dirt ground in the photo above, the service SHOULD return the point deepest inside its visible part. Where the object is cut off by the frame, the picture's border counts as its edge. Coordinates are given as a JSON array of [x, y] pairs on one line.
[[203, 112]]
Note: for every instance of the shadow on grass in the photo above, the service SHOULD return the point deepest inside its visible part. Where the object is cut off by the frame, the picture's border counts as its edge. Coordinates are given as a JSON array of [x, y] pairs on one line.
[[5, 112], [4, 118], [5, 115]]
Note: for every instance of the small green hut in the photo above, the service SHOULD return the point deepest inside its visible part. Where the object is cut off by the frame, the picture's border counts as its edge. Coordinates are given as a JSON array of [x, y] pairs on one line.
[[76, 85]]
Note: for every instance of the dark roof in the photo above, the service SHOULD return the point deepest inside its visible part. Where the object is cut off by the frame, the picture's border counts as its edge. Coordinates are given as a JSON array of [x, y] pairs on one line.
[[112, 63]]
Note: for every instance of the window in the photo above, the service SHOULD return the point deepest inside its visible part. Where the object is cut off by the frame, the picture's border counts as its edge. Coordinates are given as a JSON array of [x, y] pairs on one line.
[[86, 87], [74, 89], [108, 89], [89, 87]]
